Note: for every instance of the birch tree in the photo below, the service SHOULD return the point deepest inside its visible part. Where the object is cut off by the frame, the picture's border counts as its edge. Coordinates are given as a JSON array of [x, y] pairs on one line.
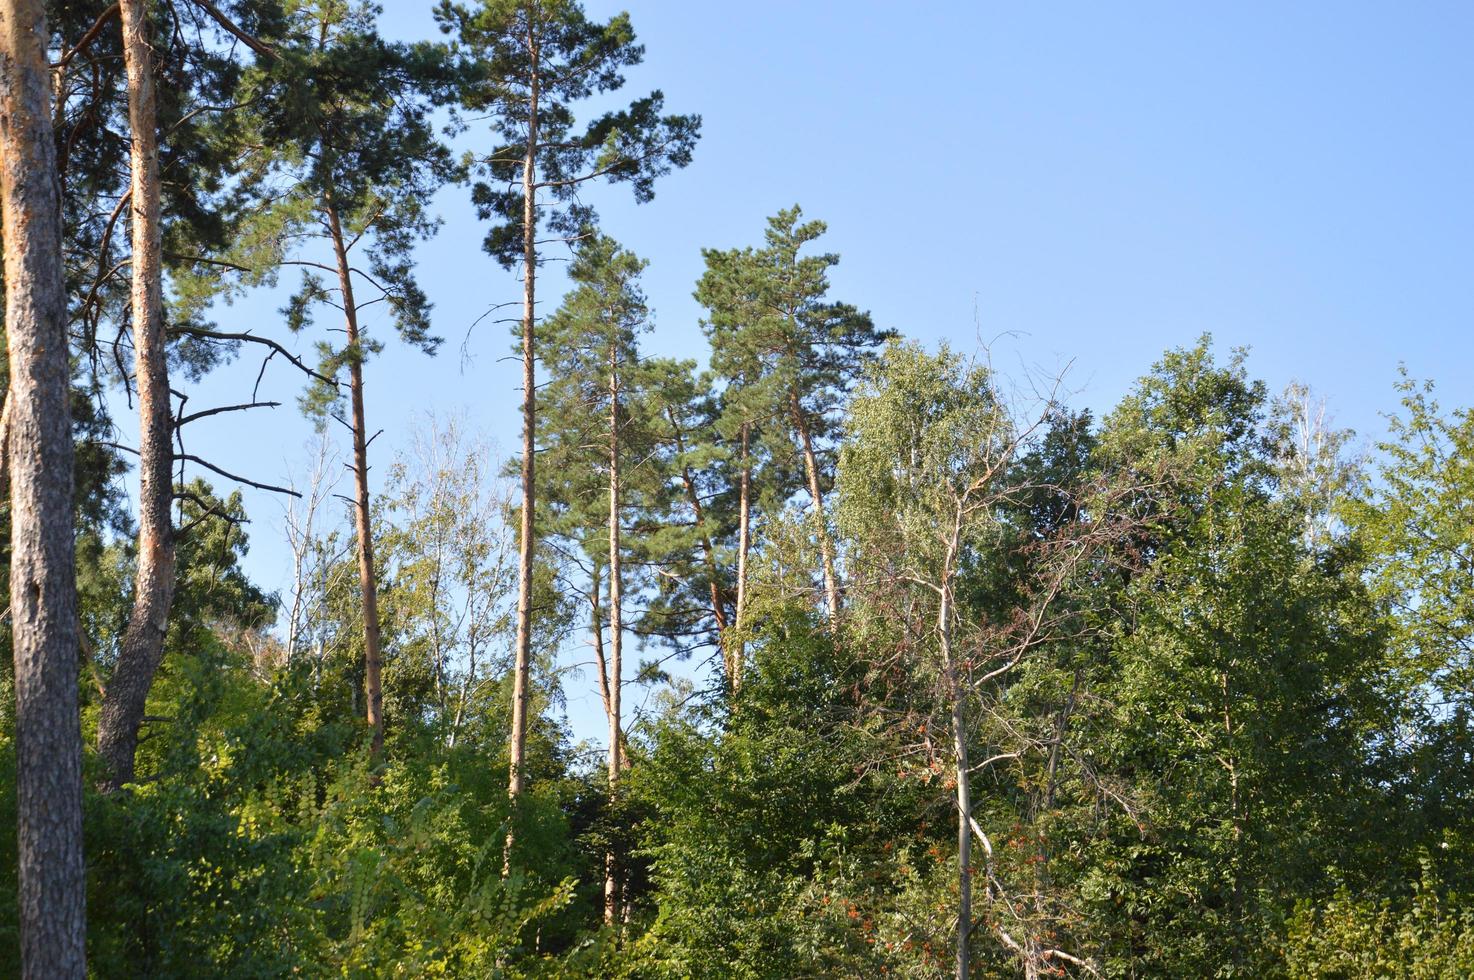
[[928, 488]]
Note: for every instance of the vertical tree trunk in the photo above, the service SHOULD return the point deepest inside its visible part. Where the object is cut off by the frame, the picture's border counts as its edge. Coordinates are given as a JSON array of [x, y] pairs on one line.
[[616, 627], [714, 588], [964, 790], [153, 586], [521, 680], [43, 598], [744, 543], [373, 661], [596, 627], [821, 522], [959, 752], [1235, 810]]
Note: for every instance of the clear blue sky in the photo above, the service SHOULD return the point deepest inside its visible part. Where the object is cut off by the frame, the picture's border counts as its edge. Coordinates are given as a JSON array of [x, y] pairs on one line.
[[1098, 181]]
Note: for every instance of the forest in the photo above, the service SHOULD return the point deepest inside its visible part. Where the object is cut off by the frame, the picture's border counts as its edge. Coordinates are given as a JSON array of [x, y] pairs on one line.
[[907, 666]]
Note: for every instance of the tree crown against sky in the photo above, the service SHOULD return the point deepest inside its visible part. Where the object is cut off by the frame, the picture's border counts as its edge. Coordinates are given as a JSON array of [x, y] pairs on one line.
[[940, 670]]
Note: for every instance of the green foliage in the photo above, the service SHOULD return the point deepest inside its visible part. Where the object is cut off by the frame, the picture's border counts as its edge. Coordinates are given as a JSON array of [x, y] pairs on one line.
[[578, 60], [1231, 740], [754, 827], [343, 119], [787, 354], [1417, 524], [1426, 936]]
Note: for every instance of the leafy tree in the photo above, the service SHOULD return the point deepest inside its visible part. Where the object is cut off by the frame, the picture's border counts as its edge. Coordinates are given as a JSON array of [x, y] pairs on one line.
[[1415, 521], [1245, 689], [756, 821], [449, 558], [928, 484]]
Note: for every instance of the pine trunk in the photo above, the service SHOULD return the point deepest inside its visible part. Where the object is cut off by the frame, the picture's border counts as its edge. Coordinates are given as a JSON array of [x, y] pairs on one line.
[[521, 679], [821, 522], [616, 627], [744, 543], [708, 553], [43, 599], [153, 587], [373, 660]]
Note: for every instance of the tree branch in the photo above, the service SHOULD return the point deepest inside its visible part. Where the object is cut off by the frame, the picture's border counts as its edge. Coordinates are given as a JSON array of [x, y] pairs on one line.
[[238, 479], [230, 27], [225, 408], [248, 336]]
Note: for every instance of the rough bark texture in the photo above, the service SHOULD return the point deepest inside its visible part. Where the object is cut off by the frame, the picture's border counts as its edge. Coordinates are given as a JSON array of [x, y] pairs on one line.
[[521, 680], [153, 586], [373, 661], [821, 522], [43, 599]]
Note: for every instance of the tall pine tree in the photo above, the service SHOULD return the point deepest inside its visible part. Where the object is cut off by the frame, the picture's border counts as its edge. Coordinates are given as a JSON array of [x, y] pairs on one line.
[[790, 356], [530, 64]]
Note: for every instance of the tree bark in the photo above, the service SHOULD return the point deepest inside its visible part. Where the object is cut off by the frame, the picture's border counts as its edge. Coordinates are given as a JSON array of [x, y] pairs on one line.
[[521, 679], [153, 586], [373, 661], [43, 598], [959, 755], [811, 472], [964, 792], [616, 626]]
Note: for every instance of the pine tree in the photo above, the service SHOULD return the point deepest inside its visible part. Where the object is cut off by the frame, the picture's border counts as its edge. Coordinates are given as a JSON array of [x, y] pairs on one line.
[[153, 590], [203, 216], [43, 596], [597, 427], [695, 529], [531, 63], [789, 356], [348, 120]]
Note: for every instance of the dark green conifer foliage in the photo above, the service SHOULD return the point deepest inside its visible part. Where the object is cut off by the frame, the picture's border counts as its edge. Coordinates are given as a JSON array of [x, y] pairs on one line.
[[788, 354], [603, 468], [529, 64], [347, 117]]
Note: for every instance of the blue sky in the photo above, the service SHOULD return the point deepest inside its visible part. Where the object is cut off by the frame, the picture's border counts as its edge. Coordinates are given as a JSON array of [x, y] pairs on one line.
[[1087, 183]]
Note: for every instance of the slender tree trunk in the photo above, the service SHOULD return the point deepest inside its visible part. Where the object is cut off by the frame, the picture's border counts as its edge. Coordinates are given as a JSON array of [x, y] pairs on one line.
[[959, 756], [714, 588], [964, 791], [373, 660], [153, 585], [521, 680], [1230, 763], [596, 627], [43, 597], [601, 663], [616, 627], [821, 522], [744, 544]]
